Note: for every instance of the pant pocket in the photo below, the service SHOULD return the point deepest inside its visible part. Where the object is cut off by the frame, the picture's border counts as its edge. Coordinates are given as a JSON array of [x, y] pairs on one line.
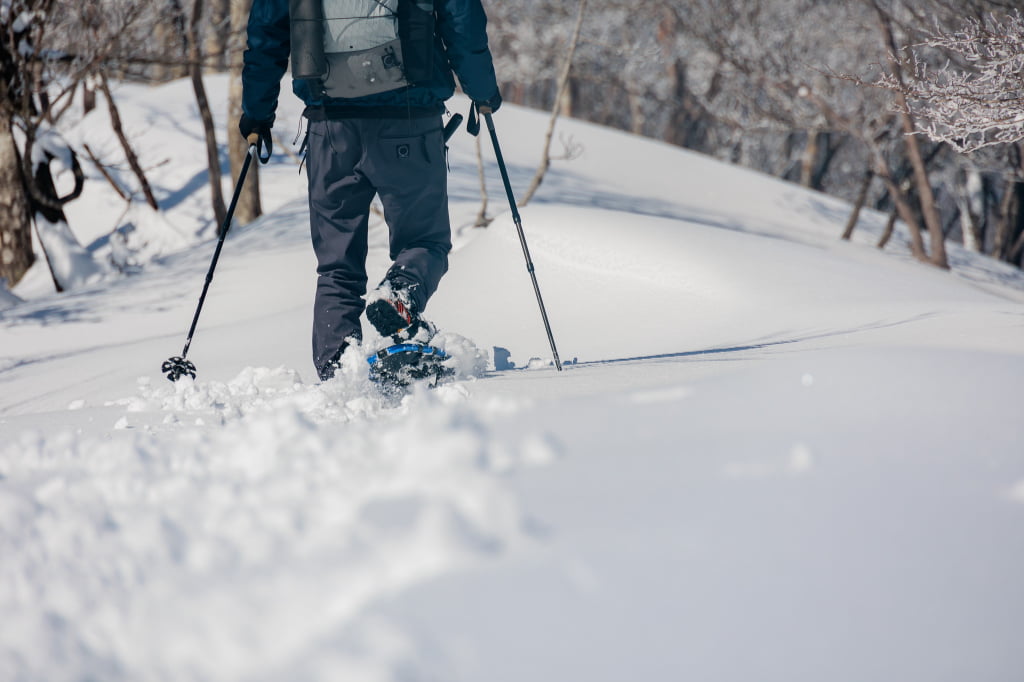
[[412, 146]]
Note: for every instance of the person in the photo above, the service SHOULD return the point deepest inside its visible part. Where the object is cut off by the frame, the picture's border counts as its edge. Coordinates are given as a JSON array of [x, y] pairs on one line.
[[374, 76]]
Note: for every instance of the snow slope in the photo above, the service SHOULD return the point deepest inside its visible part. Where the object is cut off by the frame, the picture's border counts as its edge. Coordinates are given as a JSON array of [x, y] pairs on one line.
[[770, 456]]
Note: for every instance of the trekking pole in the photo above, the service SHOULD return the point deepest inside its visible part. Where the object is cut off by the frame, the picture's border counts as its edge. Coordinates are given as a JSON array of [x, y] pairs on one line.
[[177, 366], [522, 237]]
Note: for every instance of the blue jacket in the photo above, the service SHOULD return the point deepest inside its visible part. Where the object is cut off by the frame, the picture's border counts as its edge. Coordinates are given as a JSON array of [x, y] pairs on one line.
[[460, 45]]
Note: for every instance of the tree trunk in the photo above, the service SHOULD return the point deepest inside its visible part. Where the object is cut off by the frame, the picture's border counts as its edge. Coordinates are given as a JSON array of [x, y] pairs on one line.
[[1006, 215], [568, 100], [924, 188], [88, 96], [635, 98], [862, 197], [927, 196], [16, 255], [170, 36], [637, 119], [218, 36], [809, 159], [890, 227], [688, 120], [969, 203], [248, 208], [212, 153], [905, 212], [1002, 238], [1017, 248]]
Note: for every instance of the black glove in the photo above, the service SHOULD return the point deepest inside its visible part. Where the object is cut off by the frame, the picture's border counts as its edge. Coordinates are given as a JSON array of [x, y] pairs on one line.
[[257, 133], [481, 107], [489, 106]]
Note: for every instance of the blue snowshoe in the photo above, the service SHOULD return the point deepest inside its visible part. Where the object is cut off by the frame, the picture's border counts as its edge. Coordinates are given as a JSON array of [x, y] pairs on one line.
[[396, 367]]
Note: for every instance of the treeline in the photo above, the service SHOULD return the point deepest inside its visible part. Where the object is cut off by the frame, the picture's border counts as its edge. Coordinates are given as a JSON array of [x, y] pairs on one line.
[[812, 91], [847, 97]]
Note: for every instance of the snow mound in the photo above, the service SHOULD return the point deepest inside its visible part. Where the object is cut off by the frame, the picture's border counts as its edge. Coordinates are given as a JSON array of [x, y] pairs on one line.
[[268, 537], [467, 359], [257, 391], [261, 390]]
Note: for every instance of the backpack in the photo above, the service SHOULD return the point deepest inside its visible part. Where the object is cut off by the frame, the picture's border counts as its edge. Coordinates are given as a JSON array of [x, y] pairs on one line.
[[354, 48]]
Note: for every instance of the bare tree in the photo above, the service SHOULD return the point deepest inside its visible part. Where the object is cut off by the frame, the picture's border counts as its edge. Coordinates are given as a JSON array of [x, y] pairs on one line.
[[212, 153], [964, 88], [45, 55], [979, 103], [122, 137], [755, 82], [913, 148], [1006, 245], [858, 205], [563, 83], [16, 255], [27, 109]]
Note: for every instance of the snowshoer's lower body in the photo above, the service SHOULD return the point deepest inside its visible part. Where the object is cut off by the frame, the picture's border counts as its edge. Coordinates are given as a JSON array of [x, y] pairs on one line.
[[349, 161]]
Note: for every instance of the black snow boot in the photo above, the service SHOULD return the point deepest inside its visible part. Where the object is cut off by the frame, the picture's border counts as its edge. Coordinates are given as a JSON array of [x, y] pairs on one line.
[[392, 314]]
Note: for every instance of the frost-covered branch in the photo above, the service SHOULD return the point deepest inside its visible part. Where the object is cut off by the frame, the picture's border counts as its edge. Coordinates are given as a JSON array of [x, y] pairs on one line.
[[976, 98]]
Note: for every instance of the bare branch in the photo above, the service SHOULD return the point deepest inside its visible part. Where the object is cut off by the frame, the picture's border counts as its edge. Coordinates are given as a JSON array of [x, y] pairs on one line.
[[977, 106]]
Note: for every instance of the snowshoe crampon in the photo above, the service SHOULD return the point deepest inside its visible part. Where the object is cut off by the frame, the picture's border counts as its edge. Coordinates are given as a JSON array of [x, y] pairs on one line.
[[396, 367]]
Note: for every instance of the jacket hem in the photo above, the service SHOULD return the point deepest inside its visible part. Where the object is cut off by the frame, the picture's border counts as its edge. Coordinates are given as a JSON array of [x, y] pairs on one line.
[[333, 112]]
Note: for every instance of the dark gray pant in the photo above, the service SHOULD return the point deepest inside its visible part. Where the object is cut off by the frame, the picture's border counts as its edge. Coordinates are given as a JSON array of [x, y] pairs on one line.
[[348, 162]]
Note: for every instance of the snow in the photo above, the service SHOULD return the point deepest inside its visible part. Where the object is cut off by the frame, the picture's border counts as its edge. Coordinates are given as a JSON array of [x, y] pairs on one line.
[[7, 299], [71, 264], [771, 455]]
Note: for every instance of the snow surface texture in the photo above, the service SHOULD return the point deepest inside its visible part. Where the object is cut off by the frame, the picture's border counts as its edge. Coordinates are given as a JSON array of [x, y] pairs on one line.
[[771, 455]]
